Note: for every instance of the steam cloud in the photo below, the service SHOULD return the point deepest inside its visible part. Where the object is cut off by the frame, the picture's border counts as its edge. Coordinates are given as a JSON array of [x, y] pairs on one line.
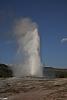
[[26, 33], [64, 40]]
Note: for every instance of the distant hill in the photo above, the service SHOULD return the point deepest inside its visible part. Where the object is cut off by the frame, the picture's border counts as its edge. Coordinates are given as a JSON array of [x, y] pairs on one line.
[[50, 72], [5, 71]]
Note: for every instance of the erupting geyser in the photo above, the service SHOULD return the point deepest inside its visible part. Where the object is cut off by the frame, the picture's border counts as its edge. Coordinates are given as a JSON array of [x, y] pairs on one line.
[[28, 52]]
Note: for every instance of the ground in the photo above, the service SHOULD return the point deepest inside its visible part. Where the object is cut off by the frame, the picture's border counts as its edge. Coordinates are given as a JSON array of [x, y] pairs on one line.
[[33, 89]]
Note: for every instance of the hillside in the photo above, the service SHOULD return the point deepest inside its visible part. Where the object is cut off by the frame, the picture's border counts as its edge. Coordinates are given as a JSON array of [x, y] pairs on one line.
[[50, 72], [5, 71]]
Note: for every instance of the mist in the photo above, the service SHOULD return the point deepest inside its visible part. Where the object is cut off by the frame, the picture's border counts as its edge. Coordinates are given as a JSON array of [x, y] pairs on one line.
[[28, 52]]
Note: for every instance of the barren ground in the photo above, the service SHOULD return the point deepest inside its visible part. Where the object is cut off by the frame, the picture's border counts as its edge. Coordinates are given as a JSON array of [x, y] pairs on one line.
[[33, 89]]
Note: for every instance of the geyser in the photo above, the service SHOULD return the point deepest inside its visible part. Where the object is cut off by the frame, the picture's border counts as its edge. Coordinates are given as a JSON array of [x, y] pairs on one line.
[[28, 52]]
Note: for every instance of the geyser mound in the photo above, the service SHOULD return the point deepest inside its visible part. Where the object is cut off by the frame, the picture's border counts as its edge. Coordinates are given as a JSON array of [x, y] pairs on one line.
[[28, 53]]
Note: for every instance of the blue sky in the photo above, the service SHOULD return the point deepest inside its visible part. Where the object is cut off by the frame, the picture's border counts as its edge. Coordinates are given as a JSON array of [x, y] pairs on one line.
[[51, 17]]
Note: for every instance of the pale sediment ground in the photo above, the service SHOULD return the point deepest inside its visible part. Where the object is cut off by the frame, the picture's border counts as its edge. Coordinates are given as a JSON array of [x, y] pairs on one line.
[[33, 89]]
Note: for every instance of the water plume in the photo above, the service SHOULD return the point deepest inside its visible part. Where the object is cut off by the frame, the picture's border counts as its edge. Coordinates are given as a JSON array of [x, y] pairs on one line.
[[28, 52]]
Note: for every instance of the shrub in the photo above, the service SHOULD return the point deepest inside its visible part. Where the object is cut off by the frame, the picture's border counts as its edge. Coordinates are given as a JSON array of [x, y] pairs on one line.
[[61, 74], [5, 71]]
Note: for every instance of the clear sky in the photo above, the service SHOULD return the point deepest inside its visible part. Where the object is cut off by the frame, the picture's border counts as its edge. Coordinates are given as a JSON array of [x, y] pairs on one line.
[[51, 17]]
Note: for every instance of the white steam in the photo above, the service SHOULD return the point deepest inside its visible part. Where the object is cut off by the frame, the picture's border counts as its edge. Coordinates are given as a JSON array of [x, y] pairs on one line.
[[63, 40], [28, 48]]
